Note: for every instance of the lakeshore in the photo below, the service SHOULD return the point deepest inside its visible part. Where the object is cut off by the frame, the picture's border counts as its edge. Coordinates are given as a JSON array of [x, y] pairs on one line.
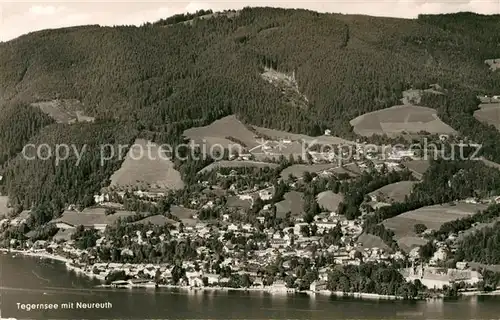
[[87, 272], [42, 254], [23, 277]]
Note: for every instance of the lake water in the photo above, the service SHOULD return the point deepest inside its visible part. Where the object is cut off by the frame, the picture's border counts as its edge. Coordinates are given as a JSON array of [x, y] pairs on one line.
[[31, 280]]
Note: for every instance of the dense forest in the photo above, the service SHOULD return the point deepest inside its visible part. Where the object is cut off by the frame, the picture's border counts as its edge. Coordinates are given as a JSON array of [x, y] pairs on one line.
[[18, 124], [481, 246], [159, 79], [71, 181]]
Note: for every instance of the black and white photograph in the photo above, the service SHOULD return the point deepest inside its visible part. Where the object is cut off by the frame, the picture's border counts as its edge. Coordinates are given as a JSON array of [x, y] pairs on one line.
[[248, 159]]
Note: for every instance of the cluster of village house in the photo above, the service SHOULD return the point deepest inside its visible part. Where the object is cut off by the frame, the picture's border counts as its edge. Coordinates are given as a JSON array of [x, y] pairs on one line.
[[345, 253], [288, 243]]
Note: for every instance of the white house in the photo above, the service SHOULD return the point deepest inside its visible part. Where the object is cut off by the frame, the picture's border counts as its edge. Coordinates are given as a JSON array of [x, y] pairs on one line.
[[471, 200], [212, 278], [400, 154], [462, 265], [317, 286], [279, 286], [101, 198], [266, 194], [64, 225]]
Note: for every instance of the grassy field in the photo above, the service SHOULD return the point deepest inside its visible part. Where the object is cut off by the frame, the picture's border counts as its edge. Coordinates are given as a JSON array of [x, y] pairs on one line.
[[283, 135], [64, 111], [432, 217], [263, 143], [350, 169], [370, 241], [418, 167], [145, 172], [328, 200], [237, 164], [218, 131], [394, 192], [489, 114], [298, 170], [91, 216], [400, 119], [157, 220]]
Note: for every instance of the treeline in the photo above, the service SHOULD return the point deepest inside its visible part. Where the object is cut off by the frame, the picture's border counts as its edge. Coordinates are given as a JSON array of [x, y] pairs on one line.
[[443, 182], [456, 108], [176, 18], [18, 124], [454, 227], [482, 246], [358, 190], [38, 178], [371, 278], [158, 76]]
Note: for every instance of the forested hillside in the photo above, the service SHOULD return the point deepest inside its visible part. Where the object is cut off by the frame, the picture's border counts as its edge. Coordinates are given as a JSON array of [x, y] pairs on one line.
[[18, 124], [159, 79]]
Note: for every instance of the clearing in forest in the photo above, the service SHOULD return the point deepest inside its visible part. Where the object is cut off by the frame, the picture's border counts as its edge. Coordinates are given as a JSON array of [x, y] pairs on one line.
[[489, 113], [417, 167], [139, 170], [91, 216], [237, 164], [399, 120], [287, 83], [370, 241], [394, 192], [433, 217], [64, 111], [228, 132]]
